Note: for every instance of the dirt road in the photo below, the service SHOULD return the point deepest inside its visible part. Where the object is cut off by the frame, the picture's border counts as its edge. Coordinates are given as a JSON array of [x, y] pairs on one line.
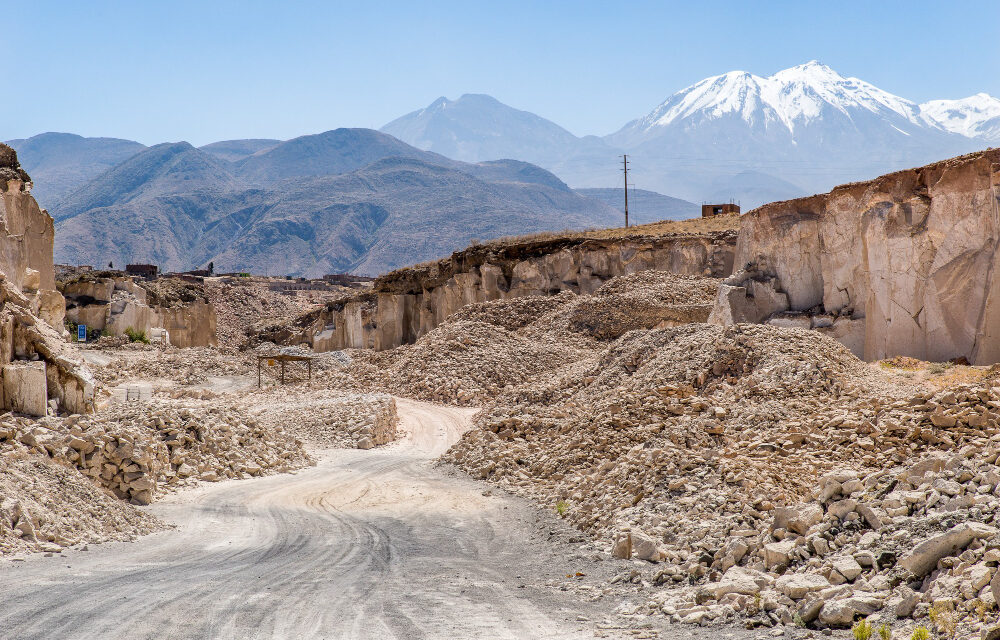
[[367, 544]]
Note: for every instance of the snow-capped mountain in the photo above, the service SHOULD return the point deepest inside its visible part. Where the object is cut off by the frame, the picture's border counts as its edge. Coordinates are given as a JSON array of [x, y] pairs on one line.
[[977, 116], [807, 125], [784, 103], [744, 136]]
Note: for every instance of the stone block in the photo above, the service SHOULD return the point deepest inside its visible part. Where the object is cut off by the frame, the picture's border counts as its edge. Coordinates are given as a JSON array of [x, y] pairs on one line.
[[25, 389]]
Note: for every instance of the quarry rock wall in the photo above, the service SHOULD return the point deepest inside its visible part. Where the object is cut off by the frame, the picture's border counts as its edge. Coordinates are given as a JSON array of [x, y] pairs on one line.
[[26, 235], [36, 365], [119, 303], [905, 264], [408, 303]]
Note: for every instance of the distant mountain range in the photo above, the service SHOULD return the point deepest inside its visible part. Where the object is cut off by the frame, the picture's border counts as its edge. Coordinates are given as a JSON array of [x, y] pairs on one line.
[[474, 168], [644, 206], [801, 130], [59, 163], [344, 200]]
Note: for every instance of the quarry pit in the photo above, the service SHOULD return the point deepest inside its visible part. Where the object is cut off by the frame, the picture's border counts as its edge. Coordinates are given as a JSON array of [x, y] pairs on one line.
[[780, 421]]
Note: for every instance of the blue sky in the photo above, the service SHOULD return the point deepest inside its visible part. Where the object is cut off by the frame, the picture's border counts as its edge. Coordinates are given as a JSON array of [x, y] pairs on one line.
[[205, 71]]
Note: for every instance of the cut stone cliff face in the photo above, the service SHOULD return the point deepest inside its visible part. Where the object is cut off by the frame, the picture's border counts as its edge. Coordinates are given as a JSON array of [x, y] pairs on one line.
[[408, 303], [905, 264], [115, 303], [37, 365]]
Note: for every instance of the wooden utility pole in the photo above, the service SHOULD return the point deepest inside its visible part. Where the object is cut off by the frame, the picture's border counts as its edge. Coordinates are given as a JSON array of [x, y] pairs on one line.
[[625, 170]]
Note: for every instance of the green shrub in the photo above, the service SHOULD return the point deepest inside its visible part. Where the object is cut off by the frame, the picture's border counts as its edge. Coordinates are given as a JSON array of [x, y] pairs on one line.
[[562, 507], [884, 631], [921, 633], [134, 335], [862, 630]]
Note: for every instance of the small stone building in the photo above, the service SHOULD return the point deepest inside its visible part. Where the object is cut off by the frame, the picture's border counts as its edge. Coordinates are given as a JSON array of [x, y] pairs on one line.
[[709, 210], [148, 271]]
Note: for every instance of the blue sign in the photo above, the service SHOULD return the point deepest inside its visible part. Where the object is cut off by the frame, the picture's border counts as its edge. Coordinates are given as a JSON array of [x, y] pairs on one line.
[[81, 333]]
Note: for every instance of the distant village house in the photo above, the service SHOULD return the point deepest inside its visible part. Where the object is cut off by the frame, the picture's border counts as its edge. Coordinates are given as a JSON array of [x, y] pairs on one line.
[[709, 210]]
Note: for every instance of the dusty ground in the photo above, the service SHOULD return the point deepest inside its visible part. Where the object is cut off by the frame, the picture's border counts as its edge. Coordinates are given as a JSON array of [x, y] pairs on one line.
[[367, 544], [679, 448]]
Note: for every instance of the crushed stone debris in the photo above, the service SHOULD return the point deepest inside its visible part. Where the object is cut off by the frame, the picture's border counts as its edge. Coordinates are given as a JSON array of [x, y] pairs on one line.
[[763, 476]]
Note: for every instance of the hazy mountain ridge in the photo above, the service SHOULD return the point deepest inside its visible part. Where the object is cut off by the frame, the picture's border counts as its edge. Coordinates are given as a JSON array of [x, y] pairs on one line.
[[331, 152], [479, 127], [181, 207], [161, 170], [60, 163], [802, 129], [236, 150]]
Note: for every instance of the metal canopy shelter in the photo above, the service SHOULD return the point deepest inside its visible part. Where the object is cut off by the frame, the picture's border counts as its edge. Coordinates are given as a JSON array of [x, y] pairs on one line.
[[283, 359]]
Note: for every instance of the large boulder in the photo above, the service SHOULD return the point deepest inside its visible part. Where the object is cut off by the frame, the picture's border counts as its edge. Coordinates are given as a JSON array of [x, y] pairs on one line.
[[798, 519], [25, 388], [798, 585], [925, 556]]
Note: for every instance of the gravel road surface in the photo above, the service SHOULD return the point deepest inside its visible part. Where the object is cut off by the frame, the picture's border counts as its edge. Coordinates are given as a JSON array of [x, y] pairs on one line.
[[367, 544]]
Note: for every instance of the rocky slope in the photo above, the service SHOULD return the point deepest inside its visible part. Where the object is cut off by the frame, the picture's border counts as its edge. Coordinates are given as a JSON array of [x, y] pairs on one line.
[[762, 475]]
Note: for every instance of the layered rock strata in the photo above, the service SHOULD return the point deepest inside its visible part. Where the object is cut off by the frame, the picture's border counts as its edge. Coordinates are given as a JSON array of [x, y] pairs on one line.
[[409, 303], [904, 264]]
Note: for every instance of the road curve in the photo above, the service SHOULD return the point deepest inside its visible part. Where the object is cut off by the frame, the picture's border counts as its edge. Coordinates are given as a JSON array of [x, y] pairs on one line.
[[367, 544]]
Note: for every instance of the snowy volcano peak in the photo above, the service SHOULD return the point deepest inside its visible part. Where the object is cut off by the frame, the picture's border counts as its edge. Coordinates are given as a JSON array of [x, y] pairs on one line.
[[733, 92], [977, 116], [801, 92], [789, 99]]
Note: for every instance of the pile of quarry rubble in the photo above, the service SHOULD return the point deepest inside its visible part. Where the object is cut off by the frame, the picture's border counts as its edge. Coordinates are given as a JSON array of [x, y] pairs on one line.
[[194, 365], [243, 307], [133, 453], [487, 347], [765, 475], [138, 450], [327, 419], [46, 505]]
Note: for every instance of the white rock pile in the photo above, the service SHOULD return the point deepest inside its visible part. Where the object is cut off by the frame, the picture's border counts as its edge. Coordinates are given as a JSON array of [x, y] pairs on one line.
[[765, 474], [46, 505], [324, 418], [488, 347], [137, 451]]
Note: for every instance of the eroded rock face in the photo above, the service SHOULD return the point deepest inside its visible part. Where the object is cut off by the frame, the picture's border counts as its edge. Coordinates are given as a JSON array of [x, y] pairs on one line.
[[117, 303], [409, 303], [31, 310], [900, 265], [26, 255]]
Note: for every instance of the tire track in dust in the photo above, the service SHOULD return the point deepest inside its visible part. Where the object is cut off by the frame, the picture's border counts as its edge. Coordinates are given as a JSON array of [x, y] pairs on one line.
[[373, 544]]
